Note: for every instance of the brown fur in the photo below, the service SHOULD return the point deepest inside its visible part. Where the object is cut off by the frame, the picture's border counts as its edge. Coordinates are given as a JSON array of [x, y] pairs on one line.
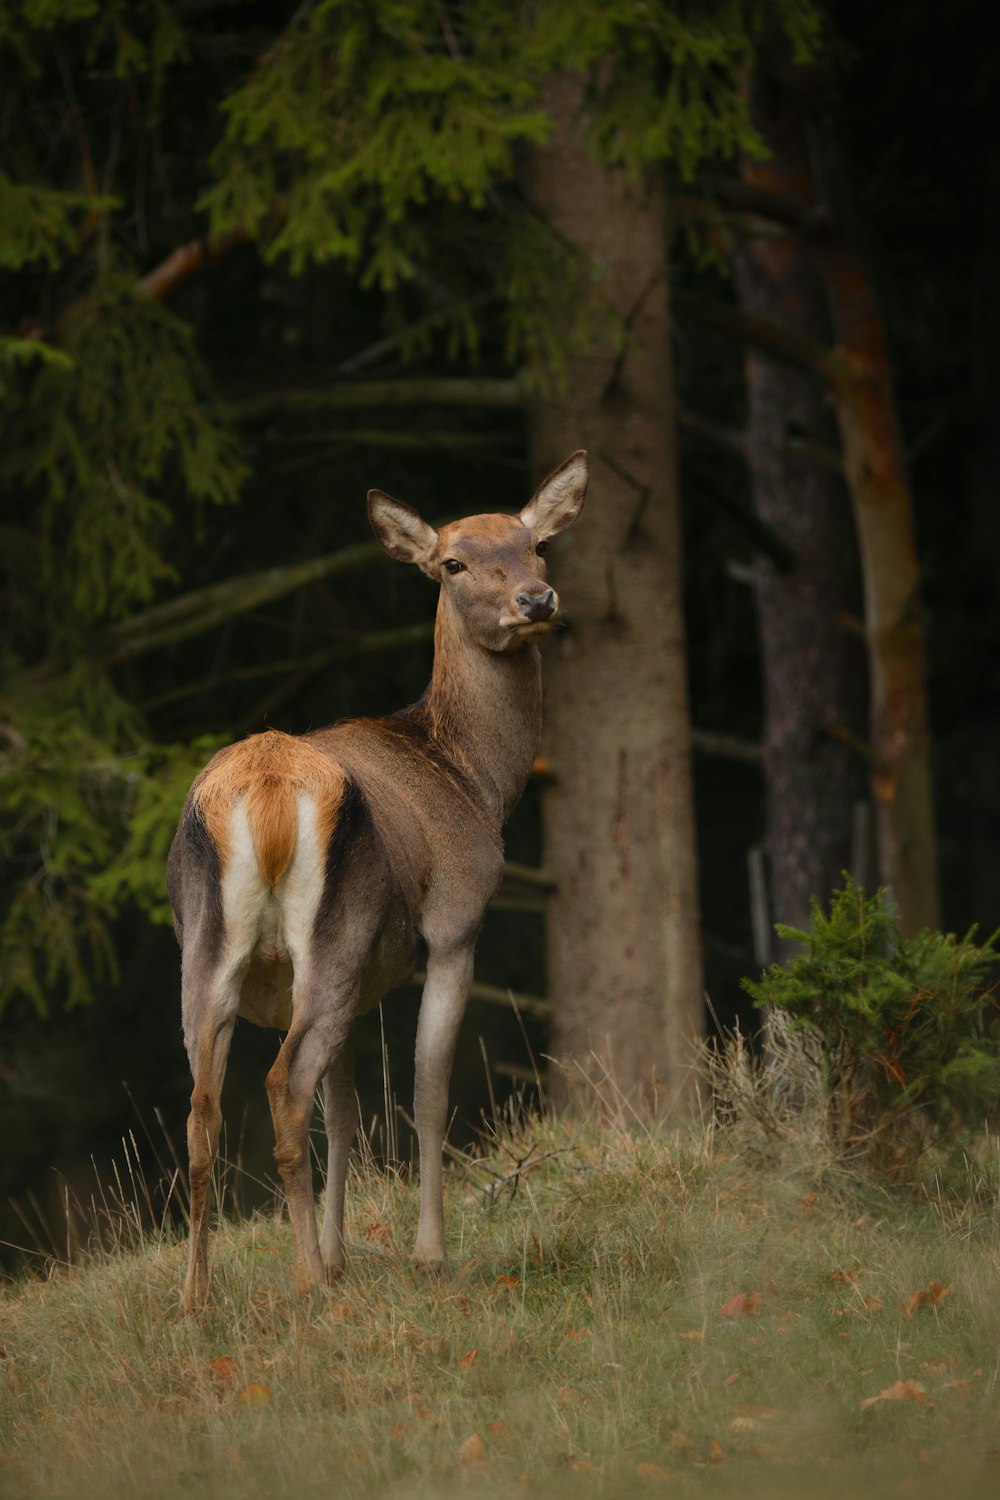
[[266, 772]]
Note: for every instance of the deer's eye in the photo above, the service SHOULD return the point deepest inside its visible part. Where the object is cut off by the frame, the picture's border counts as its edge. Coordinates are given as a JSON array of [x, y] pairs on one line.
[[542, 548], [452, 565]]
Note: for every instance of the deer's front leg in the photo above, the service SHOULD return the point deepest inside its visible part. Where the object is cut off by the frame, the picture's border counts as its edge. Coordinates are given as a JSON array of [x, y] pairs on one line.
[[446, 993]]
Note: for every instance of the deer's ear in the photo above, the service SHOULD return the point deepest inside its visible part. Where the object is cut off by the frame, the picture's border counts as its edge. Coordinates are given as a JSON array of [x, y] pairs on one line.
[[558, 500], [404, 534]]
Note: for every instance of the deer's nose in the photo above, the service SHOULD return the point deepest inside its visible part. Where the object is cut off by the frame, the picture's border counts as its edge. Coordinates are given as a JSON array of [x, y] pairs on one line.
[[537, 606]]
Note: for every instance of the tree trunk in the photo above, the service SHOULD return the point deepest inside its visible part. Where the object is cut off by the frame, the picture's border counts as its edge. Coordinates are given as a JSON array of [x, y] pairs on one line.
[[813, 668], [883, 515], [624, 954]]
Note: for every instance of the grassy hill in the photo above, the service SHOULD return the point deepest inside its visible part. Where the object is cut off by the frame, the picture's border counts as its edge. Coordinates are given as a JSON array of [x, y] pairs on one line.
[[629, 1312]]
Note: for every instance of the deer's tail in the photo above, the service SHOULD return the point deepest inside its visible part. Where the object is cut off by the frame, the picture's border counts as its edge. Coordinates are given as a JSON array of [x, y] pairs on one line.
[[267, 773]]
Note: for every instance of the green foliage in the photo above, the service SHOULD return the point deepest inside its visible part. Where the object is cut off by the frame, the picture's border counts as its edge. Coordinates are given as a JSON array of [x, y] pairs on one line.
[[102, 438], [89, 810], [366, 117], [895, 1024], [40, 224], [155, 796]]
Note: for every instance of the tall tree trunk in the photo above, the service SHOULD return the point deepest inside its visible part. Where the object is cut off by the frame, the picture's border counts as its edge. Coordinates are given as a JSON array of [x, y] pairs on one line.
[[623, 946], [813, 668], [883, 515]]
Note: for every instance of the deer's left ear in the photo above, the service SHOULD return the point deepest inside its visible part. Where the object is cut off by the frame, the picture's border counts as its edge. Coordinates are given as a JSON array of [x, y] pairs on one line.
[[558, 500], [403, 533]]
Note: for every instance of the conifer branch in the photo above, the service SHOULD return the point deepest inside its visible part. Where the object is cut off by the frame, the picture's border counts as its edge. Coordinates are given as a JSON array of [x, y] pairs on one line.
[[780, 208], [505, 393], [770, 338], [726, 747], [201, 609], [187, 260]]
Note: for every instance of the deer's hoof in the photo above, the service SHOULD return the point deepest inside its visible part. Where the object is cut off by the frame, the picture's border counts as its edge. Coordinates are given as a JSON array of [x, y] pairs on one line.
[[430, 1265]]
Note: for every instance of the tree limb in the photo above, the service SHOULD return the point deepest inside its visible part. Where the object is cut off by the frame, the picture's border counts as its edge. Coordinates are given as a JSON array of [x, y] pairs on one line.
[[201, 609], [187, 260], [726, 746], [770, 338], [505, 392]]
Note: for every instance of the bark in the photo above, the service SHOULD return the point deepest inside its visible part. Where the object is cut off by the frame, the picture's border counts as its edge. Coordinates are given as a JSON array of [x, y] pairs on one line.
[[812, 667], [624, 960], [883, 515]]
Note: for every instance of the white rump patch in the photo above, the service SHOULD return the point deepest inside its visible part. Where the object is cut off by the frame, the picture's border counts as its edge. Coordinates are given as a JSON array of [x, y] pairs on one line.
[[300, 889]]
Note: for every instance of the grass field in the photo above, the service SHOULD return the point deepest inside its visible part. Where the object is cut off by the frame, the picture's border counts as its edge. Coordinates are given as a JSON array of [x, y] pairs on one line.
[[628, 1312]]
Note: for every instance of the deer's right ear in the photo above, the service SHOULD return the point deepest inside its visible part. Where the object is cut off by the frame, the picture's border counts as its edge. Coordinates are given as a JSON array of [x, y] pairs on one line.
[[559, 499], [404, 534]]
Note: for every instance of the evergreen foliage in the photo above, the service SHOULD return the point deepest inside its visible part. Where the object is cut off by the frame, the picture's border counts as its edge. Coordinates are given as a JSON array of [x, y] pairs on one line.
[[896, 1026], [364, 119], [382, 135]]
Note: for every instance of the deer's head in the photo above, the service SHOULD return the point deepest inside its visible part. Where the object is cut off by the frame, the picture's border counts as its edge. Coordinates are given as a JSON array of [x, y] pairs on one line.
[[491, 568]]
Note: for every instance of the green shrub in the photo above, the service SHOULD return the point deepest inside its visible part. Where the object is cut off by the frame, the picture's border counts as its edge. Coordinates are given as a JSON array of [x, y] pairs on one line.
[[901, 1030]]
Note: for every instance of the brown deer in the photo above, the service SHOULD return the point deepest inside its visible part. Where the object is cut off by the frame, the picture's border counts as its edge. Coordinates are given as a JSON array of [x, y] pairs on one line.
[[312, 873]]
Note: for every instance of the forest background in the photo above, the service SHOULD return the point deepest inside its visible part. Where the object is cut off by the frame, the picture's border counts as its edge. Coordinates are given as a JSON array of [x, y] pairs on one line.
[[254, 260]]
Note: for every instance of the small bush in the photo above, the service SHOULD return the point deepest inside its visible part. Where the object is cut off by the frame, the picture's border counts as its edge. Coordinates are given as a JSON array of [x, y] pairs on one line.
[[900, 1031]]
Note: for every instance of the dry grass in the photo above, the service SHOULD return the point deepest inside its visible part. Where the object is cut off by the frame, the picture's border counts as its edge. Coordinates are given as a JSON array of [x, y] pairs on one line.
[[578, 1347]]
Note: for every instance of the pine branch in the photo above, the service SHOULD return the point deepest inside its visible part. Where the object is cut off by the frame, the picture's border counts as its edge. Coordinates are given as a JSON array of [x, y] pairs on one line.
[[780, 208], [201, 609], [760, 333], [528, 1005], [372, 643], [507, 392], [726, 746], [187, 260]]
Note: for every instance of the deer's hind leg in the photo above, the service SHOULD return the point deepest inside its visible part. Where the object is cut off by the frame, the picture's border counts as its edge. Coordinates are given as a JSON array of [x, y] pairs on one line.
[[209, 1006], [340, 1116], [320, 1035]]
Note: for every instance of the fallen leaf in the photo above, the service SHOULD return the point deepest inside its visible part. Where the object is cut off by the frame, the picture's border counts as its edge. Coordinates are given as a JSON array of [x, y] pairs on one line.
[[762, 1413], [900, 1390], [468, 1359], [732, 1379], [499, 1429], [931, 1295], [650, 1471], [508, 1283], [398, 1431], [255, 1394], [744, 1303], [960, 1387], [695, 1333], [809, 1201], [378, 1234], [842, 1278], [340, 1312], [577, 1333], [872, 1304], [578, 1465], [743, 1424], [223, 1369], [931, 1366], [715, 1452], [472, 1452]]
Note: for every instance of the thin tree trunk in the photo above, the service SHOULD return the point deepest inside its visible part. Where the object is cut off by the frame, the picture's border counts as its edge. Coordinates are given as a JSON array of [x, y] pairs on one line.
[[813, 668], [883, 515], [623, 944]]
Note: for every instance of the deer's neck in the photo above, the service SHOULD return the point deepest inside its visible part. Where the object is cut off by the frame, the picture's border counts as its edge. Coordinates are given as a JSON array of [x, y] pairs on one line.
[[484, 709]]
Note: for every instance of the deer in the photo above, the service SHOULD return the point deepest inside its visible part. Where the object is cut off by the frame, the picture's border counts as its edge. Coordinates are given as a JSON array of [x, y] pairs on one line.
[[310, 874]]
